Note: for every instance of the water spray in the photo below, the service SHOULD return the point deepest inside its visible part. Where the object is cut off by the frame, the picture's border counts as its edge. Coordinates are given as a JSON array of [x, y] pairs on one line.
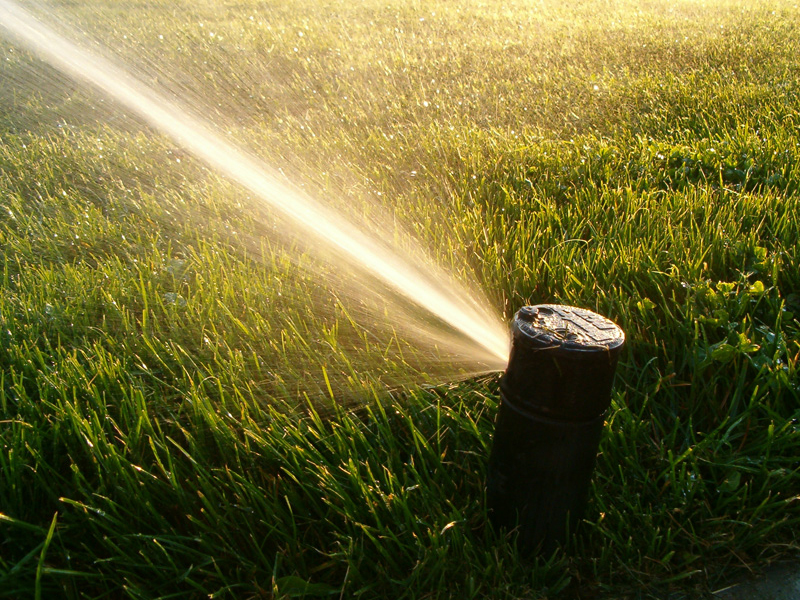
[[554, 394], [424, 285]]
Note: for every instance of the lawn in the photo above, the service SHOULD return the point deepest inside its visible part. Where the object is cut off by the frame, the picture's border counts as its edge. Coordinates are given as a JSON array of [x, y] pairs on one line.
[[198, 401]]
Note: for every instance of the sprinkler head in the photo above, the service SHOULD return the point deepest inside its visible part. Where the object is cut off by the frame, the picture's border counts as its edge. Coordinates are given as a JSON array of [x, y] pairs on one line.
[[562, 362], [555, 392]]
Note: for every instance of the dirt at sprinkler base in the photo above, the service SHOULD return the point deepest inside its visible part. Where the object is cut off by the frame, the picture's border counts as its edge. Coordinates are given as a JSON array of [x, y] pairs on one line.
[[778, 582]]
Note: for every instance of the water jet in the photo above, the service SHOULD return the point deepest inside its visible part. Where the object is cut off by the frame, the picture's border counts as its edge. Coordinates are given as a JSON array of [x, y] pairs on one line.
[[416, 281], [554, 395]]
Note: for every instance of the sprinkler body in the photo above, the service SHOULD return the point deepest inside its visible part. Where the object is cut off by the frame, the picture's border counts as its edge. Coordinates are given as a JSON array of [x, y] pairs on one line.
[[554, 395]]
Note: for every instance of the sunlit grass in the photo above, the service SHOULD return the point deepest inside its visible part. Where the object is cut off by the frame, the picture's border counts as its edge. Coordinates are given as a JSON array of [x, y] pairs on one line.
[[193, 405]]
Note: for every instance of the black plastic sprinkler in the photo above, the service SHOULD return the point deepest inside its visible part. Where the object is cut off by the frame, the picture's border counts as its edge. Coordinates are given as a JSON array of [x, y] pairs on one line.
[[554, 394]]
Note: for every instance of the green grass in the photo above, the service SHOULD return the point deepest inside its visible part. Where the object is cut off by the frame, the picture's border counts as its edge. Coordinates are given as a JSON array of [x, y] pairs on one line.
[[193, 412]]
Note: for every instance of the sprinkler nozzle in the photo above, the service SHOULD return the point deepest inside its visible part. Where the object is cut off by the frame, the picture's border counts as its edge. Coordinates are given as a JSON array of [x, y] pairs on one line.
[[554, 395]]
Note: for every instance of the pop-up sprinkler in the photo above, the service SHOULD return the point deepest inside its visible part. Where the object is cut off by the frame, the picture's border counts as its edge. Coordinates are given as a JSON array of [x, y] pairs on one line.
[[554, 393]]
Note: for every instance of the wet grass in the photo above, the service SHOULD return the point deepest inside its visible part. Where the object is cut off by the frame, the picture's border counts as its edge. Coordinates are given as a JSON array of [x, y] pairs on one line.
[[191, 409]]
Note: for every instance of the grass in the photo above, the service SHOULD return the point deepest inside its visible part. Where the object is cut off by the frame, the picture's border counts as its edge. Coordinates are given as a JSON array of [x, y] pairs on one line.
[[193, 405]]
